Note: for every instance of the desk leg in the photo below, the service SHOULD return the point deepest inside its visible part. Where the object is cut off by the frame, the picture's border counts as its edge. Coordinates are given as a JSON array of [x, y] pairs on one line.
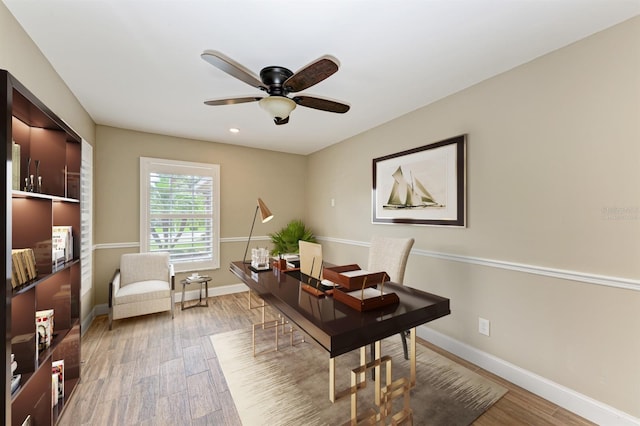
[[378, 378], [332, 379], [184, 285], [412, 356], [363, 361]]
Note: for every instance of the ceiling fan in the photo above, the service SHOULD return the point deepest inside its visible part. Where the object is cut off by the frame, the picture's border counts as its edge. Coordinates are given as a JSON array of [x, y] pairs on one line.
[[278, 82]]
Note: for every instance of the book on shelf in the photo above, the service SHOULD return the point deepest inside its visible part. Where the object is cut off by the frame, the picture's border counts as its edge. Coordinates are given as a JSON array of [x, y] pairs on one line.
[[15, 165], [62, 243], [23, 265], [54, 390], [57, 372], [15, 382], [44, 325], [30, 259]]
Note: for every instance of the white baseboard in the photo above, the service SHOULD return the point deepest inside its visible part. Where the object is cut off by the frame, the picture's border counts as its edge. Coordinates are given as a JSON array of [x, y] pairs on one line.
[[564, 397]]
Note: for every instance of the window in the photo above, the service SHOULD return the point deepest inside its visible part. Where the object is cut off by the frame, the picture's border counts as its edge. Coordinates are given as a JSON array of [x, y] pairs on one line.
[[179, 211], [86, 217]]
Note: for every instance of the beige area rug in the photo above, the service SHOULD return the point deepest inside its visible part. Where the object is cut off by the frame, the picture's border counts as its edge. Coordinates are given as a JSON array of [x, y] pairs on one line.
[[291, 386]]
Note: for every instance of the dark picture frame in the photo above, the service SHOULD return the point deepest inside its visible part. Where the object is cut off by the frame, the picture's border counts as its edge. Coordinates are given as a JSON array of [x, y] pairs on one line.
[[422, 186]]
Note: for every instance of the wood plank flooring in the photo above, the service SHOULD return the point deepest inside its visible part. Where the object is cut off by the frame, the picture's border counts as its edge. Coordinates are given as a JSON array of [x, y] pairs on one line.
[[151, 370]]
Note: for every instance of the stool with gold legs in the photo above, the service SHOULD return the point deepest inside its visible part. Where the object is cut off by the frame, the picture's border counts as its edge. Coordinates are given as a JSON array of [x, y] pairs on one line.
[[280, 324]]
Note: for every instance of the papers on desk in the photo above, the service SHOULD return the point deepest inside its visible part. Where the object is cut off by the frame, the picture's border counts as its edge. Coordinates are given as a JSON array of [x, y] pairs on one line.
[[368, 293], [365, 299], [355, 273]]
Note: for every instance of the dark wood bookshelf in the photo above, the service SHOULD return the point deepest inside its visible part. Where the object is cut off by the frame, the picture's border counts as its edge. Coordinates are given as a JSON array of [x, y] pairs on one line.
[[30, 215]]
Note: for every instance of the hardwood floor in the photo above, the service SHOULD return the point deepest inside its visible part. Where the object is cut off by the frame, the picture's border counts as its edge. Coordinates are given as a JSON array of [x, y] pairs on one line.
[[150, 370]]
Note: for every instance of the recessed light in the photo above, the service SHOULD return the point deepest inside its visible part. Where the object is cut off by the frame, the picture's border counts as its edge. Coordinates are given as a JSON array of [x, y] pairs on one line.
[[234, 130]]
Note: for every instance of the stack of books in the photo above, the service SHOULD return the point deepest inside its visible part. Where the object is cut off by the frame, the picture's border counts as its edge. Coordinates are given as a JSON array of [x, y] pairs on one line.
[[62, 247], [23, 266], [293, 260]]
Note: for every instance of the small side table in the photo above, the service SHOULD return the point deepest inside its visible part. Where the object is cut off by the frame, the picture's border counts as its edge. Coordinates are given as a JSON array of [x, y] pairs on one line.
[[204, 285]]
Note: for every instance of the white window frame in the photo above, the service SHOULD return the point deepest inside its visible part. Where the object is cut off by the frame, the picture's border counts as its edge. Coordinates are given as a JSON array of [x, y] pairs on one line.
[[156, 165]]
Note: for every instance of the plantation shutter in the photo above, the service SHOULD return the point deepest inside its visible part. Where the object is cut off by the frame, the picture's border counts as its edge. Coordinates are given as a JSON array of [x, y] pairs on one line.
[[181, 212], [86, 218]]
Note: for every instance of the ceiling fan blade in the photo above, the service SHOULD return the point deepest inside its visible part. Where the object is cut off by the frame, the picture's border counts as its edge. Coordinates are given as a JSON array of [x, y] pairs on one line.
[[232, 101], [231, 67], [280, 121], [321, 104], [311, 74]]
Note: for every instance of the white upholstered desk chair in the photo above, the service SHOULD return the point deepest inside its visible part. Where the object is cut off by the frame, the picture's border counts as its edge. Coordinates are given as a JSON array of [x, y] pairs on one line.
[[144, 284], [390, 255]]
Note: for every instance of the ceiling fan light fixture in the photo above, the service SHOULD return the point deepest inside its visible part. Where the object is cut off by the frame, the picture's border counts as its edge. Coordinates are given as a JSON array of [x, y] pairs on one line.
[[278, 107]]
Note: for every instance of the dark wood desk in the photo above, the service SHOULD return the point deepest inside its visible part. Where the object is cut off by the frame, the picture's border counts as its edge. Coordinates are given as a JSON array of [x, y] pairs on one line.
[[335, 326]]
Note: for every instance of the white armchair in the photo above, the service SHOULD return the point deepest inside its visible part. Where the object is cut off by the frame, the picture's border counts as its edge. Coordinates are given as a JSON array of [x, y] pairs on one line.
[[144, 284]]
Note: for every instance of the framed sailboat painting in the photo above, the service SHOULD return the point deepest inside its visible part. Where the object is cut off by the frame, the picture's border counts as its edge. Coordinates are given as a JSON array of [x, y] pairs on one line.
[[422, 186]]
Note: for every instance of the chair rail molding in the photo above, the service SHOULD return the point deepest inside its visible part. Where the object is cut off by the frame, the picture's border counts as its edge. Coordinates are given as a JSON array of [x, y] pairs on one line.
[[136, 244], [582, 277]]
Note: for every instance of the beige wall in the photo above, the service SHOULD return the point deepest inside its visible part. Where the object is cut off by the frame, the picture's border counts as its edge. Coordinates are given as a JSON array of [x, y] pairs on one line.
[[552, 146], [245, 174]]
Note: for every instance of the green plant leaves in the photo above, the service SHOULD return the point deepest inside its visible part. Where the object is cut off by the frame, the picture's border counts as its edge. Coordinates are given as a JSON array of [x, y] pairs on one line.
[[286, 240]]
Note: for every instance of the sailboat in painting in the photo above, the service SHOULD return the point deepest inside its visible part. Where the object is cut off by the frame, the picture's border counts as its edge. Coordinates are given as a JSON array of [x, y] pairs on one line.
[[409, 195]]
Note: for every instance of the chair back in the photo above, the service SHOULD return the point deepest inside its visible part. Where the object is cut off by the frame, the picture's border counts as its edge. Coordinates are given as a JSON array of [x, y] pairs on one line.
[[136, 267], [310, 258], [390, 255]]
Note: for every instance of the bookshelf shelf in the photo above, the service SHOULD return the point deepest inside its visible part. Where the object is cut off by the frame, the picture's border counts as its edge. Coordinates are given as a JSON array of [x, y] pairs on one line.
[[41, 145], [24, 194]]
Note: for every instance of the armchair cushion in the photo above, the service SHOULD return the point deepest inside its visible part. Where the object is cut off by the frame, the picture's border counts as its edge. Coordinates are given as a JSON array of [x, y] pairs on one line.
[[142, 291]]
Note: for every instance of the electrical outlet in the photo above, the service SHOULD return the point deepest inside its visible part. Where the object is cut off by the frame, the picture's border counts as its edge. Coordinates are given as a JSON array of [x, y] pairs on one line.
[[484, 326], [333, 202]]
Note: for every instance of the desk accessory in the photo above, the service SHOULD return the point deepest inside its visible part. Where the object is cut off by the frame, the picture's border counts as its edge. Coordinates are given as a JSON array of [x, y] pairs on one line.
[[366, 298], [352, 277], [265, 215], [260, 260]]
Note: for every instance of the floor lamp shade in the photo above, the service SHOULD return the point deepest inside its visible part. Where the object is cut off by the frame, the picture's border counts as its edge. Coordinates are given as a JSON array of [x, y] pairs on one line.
[[265, 213], [265, 216]]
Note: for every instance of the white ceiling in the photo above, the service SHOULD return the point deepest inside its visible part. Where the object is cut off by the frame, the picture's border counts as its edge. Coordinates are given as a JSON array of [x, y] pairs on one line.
[[136, 64]]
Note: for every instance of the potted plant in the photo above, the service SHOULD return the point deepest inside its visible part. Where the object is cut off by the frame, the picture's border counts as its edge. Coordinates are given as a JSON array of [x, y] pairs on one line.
[[286, 240]]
